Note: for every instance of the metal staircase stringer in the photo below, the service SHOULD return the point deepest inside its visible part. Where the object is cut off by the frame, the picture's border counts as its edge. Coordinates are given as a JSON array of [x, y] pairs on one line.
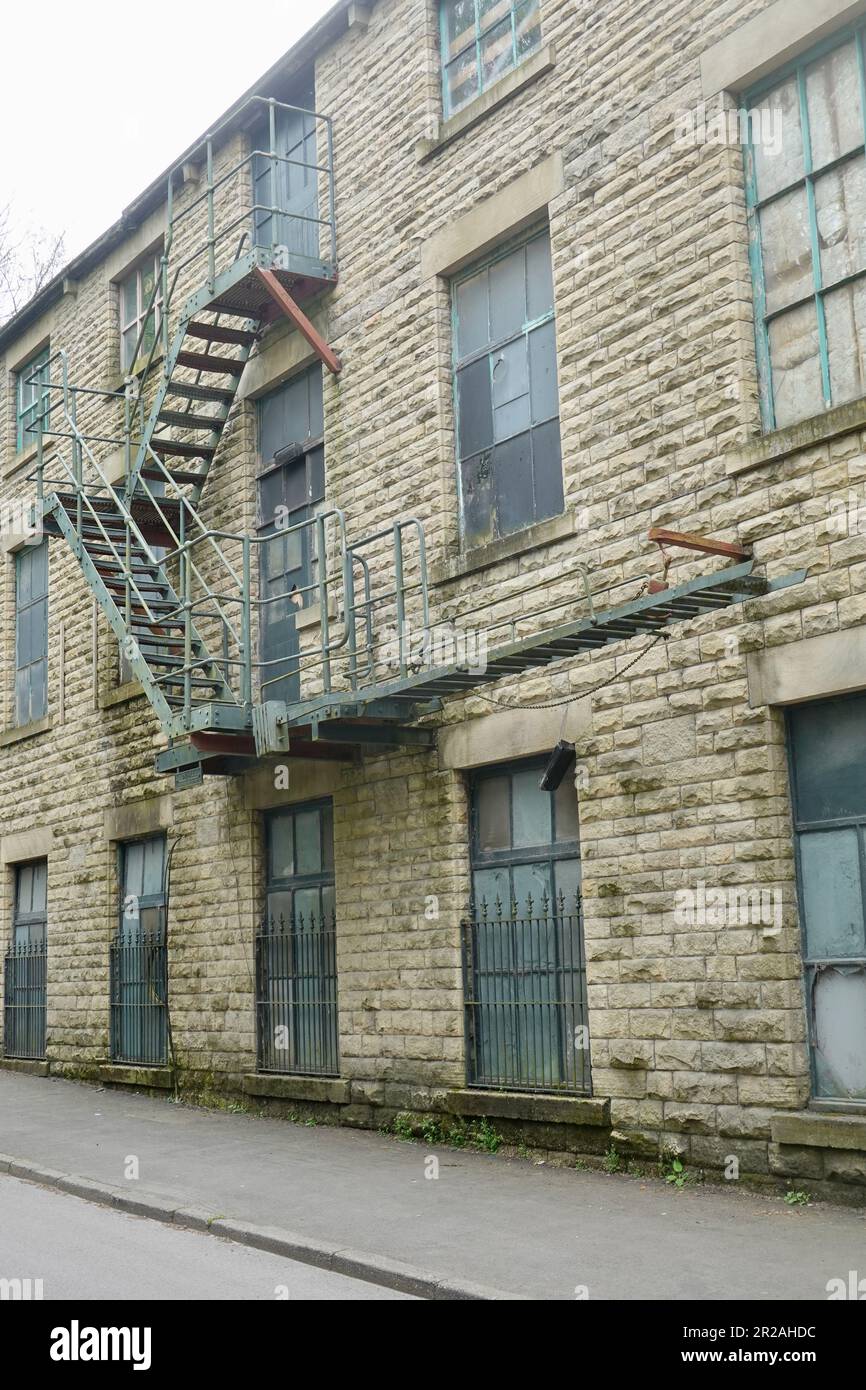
[[137, 651], [54, 508]]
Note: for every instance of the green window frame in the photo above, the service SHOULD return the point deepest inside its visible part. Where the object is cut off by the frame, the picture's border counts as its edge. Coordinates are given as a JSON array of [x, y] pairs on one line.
[[138, 956], [806, 206], [32, 398], [297, 1027], [31, 633], [30, 914], [524, 965], [134, 292], [482, 40], [24, 992], [827, 767], [506, 392]]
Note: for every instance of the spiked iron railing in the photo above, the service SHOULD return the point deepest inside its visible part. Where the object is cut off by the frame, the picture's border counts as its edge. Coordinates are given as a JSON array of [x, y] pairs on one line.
[[525, 996], [138, 991], [296, 995], [24, 1000]]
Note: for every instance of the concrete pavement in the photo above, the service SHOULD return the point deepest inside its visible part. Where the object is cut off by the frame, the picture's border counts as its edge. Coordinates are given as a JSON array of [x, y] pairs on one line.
[[361, 1203], [79, 1251]]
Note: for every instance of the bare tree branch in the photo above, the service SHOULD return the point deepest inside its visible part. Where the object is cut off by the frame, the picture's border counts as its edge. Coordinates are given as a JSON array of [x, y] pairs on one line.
[[27, 262]]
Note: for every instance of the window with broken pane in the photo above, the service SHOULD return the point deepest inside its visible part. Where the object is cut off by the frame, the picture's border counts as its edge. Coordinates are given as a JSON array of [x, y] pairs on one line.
[[507, 394], [482, 40], [827, 746], [806, 194]]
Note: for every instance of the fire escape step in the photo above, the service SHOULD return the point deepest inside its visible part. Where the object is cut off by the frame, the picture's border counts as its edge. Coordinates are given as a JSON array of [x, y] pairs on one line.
[[193, 391], [174, 446], [187, 421], [174, 474], [220, 333], [207, 362]]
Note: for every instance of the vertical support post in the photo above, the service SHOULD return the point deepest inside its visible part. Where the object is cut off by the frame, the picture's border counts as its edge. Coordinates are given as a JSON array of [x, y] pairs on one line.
[[163, 270], [127, 430], [77, 467], [187, 635], [127, 617], [40, 464], [247, 628], [401, 596], [272, 151], [324, 621], [349, 616], [211, 223], [332, 204]]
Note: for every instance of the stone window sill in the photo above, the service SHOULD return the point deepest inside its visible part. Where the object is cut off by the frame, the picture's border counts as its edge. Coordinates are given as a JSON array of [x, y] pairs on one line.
[[820, 1129], [308, 1088], [160, 1078], [805, 434], [25, 731], [29, 1068], [312, 616], [484, 556], [515, 1105], [541, 62], [121, 695], [119, 383]]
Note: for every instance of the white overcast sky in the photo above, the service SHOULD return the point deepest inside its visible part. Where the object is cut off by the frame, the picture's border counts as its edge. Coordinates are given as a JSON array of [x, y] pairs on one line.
[[98, 98]]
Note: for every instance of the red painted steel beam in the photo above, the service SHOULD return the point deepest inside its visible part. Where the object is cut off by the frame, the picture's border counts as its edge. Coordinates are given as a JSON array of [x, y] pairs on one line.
[[235, 745], [691, 542], [293, 311]]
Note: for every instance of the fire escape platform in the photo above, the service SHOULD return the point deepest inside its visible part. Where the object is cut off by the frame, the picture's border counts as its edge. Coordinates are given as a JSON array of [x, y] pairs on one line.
[[240, 291], [397, 703], [150, 521]]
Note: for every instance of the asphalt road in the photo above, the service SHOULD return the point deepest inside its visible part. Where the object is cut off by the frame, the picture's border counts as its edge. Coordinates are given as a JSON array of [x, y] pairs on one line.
[[83, 1251]]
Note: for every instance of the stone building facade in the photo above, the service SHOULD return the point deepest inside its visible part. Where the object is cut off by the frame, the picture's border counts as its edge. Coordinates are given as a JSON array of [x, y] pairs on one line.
[[717, 773]]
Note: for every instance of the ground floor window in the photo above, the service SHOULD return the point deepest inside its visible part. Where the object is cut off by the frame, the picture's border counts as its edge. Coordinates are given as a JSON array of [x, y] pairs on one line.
[[296, 957], [827, 744], [24, 1003], [138, 956], [523, 957]]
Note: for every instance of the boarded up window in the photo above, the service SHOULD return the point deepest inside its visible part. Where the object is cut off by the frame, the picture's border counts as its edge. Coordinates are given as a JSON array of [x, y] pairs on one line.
[[806, 188], [507, 394]]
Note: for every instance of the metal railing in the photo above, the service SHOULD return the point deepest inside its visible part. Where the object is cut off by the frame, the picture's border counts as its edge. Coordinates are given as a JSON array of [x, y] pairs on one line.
[[215, 570], [296, 996], [138, 998], [24, 1000], [524, 978], [217, 195]]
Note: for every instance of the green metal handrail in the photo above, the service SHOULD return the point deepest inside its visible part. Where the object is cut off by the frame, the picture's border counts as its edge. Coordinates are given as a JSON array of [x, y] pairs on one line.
[[208, 196]]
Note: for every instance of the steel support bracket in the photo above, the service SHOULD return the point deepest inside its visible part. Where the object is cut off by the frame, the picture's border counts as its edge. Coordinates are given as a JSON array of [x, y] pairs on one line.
[[295, 313]]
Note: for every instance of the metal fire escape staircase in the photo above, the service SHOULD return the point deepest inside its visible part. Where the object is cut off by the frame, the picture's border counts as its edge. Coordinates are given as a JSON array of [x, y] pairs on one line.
[[180, 595], [139, 539]]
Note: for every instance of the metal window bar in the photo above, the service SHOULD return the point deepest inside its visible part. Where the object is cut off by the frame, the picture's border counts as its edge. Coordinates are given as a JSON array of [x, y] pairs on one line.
[[296, 996], [138, 984], [24, 1000], [755, 205], [524, 974]]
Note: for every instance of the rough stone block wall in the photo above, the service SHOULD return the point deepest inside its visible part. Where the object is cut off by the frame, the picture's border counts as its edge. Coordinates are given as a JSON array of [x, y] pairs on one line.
[[698, 1032]]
